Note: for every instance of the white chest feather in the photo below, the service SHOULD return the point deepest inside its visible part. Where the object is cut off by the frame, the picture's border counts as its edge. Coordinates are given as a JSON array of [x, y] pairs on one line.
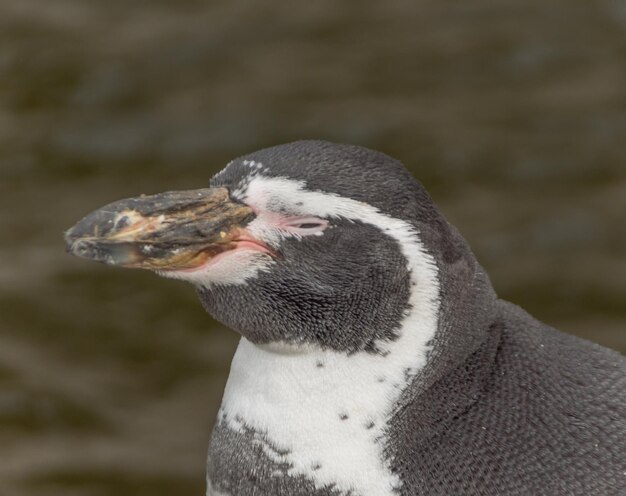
[[325, 413]]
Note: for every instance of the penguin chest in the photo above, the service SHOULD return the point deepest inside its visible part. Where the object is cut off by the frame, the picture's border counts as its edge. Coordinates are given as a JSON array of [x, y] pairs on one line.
[[301, 424]]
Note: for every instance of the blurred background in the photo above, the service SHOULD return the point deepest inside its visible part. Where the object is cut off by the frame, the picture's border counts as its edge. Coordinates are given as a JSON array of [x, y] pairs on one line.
[[512, 113]]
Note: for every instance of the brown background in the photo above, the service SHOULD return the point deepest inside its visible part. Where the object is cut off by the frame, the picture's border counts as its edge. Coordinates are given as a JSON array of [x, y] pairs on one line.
[[512, 113]]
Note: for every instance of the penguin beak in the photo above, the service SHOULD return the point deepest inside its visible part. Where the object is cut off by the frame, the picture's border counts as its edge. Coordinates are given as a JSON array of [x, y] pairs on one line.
[[177, 230]]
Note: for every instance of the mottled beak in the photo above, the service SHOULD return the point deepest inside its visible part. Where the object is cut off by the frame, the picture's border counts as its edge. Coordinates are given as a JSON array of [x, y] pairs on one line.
[[177, 230]]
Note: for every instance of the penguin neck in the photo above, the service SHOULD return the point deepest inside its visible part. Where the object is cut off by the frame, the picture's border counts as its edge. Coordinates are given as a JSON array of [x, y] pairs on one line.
[[329, 415], [320, 412]]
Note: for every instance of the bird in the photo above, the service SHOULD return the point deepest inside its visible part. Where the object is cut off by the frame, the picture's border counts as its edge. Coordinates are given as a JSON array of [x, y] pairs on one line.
[[375, 357]]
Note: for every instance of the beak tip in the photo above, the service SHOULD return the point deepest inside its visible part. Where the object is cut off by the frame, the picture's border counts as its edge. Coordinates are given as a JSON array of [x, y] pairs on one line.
[[82, 248], [76, 247], [69, 239]]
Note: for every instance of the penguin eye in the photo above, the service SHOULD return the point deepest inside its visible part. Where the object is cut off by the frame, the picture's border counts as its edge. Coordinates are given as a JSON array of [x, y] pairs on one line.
[[307, 225]]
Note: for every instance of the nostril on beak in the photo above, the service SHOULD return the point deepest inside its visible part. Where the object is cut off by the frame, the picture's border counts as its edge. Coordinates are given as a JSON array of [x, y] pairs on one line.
[[122, 222]]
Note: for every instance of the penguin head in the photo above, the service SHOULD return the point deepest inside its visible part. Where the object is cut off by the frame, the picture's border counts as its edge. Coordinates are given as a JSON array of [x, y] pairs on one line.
[[309, 243]]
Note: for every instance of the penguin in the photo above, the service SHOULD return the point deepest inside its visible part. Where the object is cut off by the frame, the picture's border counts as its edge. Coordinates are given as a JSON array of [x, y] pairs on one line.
[[375, 357]]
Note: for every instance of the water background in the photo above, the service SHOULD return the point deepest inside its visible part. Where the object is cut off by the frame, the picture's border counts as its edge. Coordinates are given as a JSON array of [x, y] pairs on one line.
[[512, 113]]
